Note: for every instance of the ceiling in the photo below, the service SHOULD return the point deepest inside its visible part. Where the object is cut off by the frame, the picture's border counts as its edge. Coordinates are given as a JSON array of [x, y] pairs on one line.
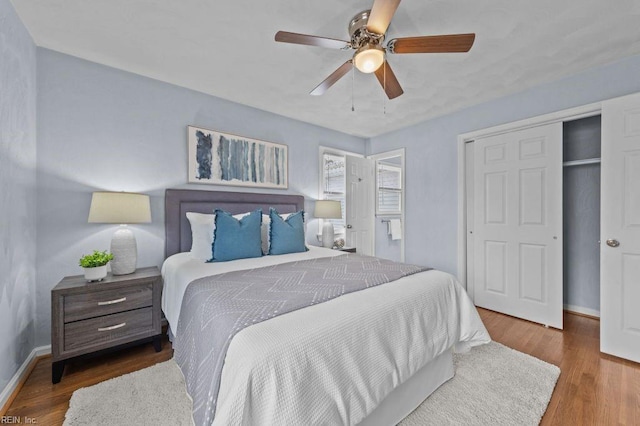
[[226, 48]]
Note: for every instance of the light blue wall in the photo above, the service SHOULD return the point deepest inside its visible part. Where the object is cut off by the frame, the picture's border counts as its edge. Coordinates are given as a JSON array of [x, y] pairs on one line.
[[17, 192], [431, 152], [104, 129]]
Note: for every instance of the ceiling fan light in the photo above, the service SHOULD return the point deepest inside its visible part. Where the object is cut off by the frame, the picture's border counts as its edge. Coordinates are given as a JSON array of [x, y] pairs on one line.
[[368, 58]]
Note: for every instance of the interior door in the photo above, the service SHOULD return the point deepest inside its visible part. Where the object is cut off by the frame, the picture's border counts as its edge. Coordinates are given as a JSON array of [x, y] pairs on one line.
[[620, 228], [359, 206], [518, 224]]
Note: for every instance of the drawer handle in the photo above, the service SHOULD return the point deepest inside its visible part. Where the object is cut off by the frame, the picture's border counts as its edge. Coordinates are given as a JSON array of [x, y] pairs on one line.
[[111, 302], [113, 327]]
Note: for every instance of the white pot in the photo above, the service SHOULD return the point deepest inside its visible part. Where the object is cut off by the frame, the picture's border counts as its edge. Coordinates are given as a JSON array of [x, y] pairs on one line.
[[95, 274]]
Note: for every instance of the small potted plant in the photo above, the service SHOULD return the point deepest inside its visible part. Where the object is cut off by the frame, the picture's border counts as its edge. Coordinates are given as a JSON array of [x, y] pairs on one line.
[[95, 265]]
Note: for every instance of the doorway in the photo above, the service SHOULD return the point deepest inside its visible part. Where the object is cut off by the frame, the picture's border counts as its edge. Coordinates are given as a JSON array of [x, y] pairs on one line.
[[390, 222], [371, 192], [581, 215]]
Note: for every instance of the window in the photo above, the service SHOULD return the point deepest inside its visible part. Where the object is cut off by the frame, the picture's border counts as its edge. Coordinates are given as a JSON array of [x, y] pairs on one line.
[[389, 185], [334, 185]]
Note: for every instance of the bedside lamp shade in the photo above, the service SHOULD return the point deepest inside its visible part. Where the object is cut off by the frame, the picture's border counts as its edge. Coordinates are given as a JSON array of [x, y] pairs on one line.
[[328, 209], [123, 208], [119, 207]]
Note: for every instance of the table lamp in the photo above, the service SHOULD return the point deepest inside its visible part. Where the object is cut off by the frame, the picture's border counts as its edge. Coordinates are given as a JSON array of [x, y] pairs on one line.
[[123, 208], [328, 209]]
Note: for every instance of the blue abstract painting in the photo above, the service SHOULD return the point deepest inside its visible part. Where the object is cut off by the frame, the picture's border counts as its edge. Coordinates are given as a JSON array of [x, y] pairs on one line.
[[225, 159]]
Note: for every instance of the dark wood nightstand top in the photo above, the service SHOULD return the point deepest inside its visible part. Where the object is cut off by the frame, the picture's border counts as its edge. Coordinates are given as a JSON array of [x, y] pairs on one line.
[[81, 283], [348, 249]]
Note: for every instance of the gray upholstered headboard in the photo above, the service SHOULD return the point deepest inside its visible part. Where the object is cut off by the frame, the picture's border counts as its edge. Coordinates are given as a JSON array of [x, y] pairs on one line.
[[178, 202]]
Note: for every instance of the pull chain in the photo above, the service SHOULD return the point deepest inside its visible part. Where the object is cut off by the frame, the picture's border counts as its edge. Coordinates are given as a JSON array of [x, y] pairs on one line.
[[353, 83], [384, 80]]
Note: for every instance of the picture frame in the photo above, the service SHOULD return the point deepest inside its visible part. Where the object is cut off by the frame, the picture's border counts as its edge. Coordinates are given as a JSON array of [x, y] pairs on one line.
[[218, 158]]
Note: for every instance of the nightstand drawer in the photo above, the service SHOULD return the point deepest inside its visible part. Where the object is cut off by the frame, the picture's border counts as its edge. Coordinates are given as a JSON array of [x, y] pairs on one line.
[[100, 331], [104, 302]]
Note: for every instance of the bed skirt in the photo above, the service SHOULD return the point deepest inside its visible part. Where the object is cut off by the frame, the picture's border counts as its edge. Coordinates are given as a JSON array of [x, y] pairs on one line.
[[409, 395]]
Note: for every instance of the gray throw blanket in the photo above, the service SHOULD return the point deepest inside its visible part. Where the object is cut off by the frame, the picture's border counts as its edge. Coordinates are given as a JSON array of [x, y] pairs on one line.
[[216, 308]]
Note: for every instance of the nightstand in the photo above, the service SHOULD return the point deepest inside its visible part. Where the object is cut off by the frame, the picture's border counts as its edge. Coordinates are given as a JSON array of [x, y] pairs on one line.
[[348, 249], [99, 316]]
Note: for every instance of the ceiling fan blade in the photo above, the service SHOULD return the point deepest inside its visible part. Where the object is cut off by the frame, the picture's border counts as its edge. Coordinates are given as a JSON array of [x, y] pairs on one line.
[[310, 40], [381, 14], [388, 81], [333, 78], [432, 44]]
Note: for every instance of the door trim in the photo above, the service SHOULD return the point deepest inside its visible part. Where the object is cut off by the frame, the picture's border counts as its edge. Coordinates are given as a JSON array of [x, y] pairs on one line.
[[584, 111]]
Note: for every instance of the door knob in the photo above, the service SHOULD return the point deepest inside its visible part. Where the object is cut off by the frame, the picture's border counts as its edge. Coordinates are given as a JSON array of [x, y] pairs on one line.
[[613, 243], [349, 226]]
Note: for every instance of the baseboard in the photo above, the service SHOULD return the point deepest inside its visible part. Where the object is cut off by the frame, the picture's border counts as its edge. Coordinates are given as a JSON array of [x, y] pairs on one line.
[[10, 391], [582, 311]]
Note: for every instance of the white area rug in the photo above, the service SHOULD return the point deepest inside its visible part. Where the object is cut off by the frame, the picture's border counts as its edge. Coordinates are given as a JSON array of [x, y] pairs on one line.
[[493, 385], [153, 396]]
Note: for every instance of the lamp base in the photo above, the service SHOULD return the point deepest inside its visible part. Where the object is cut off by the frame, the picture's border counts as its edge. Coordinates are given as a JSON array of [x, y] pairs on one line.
[[327, 234], [125, 251]]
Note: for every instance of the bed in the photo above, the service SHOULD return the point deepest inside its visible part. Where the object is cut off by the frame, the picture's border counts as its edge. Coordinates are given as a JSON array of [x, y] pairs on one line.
[[369, 357]]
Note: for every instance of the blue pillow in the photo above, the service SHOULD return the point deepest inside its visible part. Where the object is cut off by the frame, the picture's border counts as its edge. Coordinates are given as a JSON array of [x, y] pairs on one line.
[[236, 239], [286, 236]]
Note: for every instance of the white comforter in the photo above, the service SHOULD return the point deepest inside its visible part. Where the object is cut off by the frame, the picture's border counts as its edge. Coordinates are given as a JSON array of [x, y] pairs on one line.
[[331, 363]]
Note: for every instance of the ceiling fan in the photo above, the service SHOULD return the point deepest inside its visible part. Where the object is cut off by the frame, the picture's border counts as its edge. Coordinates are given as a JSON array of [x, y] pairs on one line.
[[367, 30]]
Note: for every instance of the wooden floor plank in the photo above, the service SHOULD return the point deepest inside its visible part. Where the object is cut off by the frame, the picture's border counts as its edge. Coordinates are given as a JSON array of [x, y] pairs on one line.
[[593, 388]]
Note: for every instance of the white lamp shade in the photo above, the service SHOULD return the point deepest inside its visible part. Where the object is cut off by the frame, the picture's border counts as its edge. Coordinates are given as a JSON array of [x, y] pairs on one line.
[[119, 207], [328, 209]]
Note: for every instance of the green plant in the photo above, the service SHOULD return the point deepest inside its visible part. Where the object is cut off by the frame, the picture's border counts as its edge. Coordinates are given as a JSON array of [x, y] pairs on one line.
[[97, 258]]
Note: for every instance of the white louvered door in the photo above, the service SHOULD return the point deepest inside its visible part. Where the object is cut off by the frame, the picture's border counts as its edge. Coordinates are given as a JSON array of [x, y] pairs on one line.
[[518, 224], [620, 228]]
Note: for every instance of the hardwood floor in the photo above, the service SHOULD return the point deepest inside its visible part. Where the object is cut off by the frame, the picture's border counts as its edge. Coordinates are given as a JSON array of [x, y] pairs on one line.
[[47, 403], [593, 388]]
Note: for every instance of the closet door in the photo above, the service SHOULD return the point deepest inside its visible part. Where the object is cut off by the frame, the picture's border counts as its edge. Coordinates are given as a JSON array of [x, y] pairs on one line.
[[620, 228], [518, 224]]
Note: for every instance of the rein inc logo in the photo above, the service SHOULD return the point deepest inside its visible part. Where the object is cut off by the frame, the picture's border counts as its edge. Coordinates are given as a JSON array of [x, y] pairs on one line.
[[17, 420]]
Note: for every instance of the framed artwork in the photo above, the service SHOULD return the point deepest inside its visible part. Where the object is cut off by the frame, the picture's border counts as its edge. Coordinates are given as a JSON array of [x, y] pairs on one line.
[[223, 159]]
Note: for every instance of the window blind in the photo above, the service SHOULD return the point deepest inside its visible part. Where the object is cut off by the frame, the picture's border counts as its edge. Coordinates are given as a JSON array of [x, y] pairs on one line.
[[389, 189]]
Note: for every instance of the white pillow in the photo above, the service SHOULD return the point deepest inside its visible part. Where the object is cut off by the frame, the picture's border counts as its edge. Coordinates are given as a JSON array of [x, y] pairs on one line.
[[202, 227], [202, 232]]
